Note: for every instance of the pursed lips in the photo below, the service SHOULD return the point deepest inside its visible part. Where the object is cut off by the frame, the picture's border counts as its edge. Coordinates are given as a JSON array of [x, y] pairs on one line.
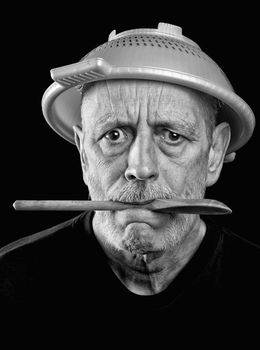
[[142, 215]]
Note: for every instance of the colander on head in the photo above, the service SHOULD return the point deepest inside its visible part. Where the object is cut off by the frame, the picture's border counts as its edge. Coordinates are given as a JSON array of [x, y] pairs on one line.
[[161, 54]]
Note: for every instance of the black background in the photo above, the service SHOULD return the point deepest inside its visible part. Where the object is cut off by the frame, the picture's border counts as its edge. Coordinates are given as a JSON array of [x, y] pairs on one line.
[[38, 164]]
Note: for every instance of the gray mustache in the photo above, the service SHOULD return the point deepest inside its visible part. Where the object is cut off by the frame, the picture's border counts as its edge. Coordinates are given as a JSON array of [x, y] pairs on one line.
[[140, 191]]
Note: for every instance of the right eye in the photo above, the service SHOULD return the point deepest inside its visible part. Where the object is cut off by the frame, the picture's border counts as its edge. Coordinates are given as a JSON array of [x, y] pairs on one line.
[[115, 135]]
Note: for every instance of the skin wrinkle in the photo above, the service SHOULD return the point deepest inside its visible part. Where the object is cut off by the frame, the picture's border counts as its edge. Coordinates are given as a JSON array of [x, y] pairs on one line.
[[111, 106], [160, 94], [167, 172]]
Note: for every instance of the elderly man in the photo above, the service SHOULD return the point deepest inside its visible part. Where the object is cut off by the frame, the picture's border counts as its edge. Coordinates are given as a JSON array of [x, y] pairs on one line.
[[135, 147], [154, 118]]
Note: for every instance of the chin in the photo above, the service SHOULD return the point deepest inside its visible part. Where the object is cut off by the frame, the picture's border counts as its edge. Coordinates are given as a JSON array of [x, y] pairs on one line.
[[141, 238]]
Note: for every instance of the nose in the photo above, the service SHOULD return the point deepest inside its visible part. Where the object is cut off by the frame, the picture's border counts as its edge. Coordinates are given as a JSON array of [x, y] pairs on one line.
[[142, 161]]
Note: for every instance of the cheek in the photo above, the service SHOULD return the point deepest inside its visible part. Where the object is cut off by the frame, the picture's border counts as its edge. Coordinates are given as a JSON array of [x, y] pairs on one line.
[[103, 173], [196, 176], [185, 176]]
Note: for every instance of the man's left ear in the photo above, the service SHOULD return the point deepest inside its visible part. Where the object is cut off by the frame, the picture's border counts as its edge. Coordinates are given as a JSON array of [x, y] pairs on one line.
[[220, 141]]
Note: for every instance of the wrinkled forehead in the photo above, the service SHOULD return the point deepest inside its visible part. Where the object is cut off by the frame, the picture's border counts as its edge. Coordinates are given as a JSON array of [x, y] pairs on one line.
[[120, 96]]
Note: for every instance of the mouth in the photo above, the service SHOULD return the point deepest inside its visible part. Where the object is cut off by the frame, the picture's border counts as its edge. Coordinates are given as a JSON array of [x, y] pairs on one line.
[[140, 202], [141, 212]]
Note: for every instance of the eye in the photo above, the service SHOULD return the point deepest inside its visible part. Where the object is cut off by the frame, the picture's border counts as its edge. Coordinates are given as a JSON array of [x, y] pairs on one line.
[[171, 137], [115, 135]]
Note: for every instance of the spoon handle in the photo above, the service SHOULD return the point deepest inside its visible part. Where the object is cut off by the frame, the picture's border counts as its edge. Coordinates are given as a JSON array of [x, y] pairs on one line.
[[189, 206], [69, 205]]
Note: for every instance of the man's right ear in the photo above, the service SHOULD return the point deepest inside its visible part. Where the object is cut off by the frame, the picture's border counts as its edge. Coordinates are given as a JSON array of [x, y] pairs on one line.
[[78, 138]]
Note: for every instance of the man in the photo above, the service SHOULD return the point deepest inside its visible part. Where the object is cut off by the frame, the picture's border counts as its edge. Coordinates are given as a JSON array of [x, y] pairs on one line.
[[140, 151], [140, 138]]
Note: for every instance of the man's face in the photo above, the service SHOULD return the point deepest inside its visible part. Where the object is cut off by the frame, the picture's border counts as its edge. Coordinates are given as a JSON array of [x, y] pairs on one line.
[[143, 140]]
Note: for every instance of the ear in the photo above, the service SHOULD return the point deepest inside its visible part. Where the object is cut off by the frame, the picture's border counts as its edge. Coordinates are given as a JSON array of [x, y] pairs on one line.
[[220, 141], [78, 138]]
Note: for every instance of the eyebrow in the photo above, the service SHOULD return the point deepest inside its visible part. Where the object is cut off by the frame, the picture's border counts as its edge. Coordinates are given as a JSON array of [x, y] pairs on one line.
[[104, 119], [188, 127]]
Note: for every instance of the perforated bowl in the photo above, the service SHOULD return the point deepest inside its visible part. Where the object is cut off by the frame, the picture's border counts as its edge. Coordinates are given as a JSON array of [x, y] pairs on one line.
[[161, 54]]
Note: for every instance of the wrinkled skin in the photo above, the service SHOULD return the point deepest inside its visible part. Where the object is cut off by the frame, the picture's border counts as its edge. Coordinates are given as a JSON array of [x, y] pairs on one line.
[[142, 140]]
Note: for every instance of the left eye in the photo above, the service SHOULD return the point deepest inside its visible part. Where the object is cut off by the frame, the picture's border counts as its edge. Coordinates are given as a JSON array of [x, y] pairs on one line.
[[115, 135], [170, 136]]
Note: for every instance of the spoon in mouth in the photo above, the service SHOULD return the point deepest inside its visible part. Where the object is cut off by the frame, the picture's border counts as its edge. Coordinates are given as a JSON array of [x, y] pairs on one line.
[[188, 206]]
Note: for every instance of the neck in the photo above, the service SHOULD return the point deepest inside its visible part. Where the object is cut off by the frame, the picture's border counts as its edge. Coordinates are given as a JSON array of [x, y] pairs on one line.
[[149, 274]]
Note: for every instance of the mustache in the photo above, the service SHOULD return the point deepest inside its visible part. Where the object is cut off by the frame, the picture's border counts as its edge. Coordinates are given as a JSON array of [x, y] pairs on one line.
[[141, 191]]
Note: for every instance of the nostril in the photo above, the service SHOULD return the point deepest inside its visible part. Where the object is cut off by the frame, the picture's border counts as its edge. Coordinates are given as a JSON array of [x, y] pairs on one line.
[[139, 174], [130, 177]]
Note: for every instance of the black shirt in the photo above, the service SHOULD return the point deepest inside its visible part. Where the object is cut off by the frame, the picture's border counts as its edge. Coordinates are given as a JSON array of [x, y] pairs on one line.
[[63, 273]]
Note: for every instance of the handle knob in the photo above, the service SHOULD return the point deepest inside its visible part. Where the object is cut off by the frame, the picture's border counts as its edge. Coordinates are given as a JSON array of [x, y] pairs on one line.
[[169, 29]]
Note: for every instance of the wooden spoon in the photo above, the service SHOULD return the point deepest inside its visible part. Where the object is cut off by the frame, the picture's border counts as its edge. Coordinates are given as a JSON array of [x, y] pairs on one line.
[[189, 206]]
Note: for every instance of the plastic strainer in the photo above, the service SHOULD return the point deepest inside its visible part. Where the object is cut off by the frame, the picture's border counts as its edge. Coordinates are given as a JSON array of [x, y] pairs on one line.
[[161, 54]]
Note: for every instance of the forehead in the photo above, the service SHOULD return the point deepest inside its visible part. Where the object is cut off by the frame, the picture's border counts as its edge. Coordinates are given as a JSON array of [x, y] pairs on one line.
[[132, 98]]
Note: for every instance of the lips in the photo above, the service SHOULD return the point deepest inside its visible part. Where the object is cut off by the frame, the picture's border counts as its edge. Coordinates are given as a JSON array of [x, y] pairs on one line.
[[140, 216]]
